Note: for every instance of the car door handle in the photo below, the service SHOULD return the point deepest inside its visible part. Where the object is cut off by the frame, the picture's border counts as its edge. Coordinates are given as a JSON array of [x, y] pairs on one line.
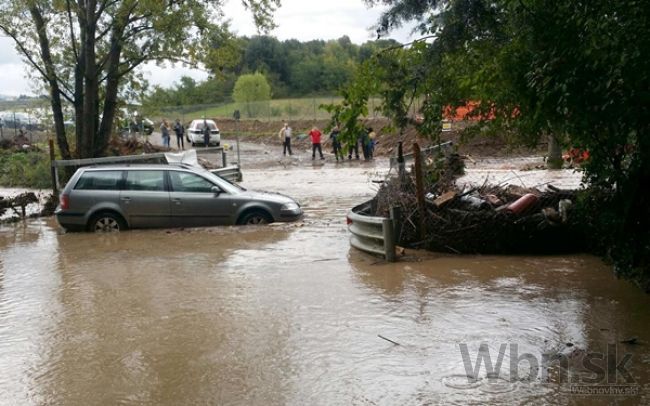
[[177, 200], [125, 199]]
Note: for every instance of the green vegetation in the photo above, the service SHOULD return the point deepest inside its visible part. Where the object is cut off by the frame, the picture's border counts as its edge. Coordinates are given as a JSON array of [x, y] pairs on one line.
[[25, 169], [87, 52], [576, 71], [272, 110], [251, 91], [293, 69]]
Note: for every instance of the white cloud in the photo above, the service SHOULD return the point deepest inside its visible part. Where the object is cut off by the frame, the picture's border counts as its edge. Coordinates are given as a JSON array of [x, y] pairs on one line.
[[14, 80], [309, 19], [168, 75]]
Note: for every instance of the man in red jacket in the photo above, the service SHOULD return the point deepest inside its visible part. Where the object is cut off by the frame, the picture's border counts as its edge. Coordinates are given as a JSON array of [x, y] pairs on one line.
[[315, 143]]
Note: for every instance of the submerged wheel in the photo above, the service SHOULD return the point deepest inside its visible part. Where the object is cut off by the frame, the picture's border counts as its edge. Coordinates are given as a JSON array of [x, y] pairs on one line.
[[106, 223], [255, 217]]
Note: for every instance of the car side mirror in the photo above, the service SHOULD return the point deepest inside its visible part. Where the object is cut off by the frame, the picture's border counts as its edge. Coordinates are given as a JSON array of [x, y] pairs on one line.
[[216, 190]]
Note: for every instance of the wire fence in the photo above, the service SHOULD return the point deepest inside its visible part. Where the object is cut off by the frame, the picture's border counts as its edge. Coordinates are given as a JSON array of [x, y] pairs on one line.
[[271, 110]]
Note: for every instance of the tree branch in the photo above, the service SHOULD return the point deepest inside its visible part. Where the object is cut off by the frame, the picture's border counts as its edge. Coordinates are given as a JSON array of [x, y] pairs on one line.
[[400, 46], [73, 38]]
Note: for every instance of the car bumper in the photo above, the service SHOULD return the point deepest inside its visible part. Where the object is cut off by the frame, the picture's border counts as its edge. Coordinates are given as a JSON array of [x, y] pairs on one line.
[[290, 215], [70, 220], [198, 138]]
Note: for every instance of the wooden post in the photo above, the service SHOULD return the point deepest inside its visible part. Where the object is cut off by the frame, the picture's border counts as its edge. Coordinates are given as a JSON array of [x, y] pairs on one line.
[[419, 190], [237, 135], [55, 188], [401, 167], [396, 216]]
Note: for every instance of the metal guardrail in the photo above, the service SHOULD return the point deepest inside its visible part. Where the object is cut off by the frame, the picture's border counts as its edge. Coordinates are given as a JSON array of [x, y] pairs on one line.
[[371, 234], [231, 173], [445, 146]]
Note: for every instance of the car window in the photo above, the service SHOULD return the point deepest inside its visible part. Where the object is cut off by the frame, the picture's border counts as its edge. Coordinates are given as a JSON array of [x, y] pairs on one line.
[[189, 182], [145, 180], [200, 126], [99, 180]]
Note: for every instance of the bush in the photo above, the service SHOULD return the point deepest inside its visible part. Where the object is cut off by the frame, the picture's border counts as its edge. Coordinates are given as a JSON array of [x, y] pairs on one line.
[[25, 169]]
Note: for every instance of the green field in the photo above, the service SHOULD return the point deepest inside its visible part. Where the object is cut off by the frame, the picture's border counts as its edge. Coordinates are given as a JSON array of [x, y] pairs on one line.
[[273, 110]]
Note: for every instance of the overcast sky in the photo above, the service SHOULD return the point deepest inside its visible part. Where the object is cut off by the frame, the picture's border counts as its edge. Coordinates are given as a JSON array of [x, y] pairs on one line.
[[300, 19]]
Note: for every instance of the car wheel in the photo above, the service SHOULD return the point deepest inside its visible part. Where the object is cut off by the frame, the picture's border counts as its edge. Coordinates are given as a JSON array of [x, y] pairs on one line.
[[254, 218], [106, 223]]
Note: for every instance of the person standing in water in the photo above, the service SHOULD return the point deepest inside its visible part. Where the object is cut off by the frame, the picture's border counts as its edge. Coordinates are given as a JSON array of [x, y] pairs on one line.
[[285, 137], [164, 131], [336, 144], [206, 133], [180, 131], [315, 135]]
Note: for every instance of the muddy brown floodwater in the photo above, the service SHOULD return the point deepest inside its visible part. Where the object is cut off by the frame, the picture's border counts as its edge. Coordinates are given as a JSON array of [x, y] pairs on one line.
[[290, 315]]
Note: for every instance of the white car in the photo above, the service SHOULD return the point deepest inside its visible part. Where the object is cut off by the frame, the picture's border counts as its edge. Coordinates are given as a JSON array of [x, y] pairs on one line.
[[194, 132]]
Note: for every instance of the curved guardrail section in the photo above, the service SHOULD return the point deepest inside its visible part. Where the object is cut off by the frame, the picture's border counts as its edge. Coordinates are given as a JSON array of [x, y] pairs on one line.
[[371, 234]]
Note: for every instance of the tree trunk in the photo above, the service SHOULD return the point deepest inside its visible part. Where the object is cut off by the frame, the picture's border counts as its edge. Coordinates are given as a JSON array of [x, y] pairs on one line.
[[79, 89], [91, 84], [55, 91], [112, 86]]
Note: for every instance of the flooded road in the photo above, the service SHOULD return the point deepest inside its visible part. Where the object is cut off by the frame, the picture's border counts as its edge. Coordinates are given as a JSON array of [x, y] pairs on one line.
[[289, 314]]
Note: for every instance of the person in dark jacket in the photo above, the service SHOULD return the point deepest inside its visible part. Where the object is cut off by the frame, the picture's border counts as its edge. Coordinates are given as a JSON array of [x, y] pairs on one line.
[[354, 146], [206, 133], [336, 144], [180, 131]]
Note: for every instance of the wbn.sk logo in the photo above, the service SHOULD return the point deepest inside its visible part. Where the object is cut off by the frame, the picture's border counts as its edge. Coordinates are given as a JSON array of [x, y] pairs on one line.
[[587, 373]]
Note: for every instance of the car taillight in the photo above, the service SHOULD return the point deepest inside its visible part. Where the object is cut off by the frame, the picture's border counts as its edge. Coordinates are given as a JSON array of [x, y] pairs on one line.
[[64, 201], [348, 220]]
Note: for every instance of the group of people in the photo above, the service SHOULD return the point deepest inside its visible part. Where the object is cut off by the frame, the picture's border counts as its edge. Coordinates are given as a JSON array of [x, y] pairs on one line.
[[366, 140], [179, 130]]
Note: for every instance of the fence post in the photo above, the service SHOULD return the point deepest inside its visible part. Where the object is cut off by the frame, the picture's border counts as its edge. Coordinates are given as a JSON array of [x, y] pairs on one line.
[[401, 166], [55, 191], [389, 239], [419, 189], [223, 158], [396, 216]]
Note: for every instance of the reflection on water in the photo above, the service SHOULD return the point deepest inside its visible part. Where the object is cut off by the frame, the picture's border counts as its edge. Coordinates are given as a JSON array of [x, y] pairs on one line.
[[289, 314]]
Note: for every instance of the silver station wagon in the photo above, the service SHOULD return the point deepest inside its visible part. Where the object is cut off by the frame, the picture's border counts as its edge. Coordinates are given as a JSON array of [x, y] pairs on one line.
[[114, 198]]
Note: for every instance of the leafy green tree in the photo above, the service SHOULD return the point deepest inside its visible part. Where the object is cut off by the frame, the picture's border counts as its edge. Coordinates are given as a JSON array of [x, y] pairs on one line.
[[86, 51], [577, 70], [250, 90]]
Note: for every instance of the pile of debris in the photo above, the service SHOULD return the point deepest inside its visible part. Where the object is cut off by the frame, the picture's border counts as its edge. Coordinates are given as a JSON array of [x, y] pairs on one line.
[[118, 146], [481, 220], [26, 204]]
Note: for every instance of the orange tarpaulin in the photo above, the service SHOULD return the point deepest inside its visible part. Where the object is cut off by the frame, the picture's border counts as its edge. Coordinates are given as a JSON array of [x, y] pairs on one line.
[[463, 112]]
